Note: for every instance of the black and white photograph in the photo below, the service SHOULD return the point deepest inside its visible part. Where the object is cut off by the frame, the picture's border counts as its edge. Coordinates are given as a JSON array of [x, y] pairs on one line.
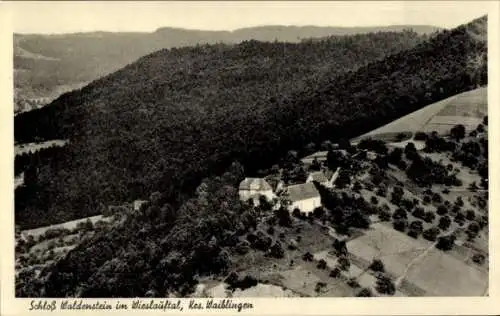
[[233, 150]]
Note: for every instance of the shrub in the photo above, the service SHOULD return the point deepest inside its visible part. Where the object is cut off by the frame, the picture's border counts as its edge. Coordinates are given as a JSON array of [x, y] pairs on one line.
[[335, 273], [377, 265], [400, 214], [307, 257], [384, 216], [321, 264], [352, 282], [444, 222], [446, 243], [385, 285], [478, 258], [270, 230], [429, 217], [343, 263], [374, 200], [419, 212], [431, 234], [400, 225], [364, 292], [470, 215], [442, 210]]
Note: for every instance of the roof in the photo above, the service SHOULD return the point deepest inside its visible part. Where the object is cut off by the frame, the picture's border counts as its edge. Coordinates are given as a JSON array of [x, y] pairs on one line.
[[255, 184], [318, 176], [302, 191], [318, 155]]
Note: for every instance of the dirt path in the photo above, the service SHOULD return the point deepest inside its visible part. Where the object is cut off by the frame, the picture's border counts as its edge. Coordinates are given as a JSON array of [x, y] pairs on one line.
[[411, 263]]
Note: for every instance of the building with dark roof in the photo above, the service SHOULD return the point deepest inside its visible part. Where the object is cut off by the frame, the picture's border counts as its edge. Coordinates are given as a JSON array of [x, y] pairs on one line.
[[304, 197]]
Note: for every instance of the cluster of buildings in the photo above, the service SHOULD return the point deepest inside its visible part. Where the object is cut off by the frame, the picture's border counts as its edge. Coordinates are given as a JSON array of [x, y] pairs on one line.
[[302, 196]]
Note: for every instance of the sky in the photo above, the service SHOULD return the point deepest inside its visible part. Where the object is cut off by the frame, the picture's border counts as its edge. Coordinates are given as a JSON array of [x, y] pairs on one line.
[[82, 16]]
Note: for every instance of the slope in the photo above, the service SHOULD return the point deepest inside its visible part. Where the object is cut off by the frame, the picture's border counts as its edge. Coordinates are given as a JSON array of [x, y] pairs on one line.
[[467, 108], [164, 118], [54, 64], [162, 248]]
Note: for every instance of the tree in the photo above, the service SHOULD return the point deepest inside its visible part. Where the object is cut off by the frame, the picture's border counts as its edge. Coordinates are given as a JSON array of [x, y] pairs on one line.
[[335, 273], [283, 216], [395, 156], [400, 225], [385, 285], [343, 263], [399, 214], [431, 234], [374, 200], [485, 120], [343, 180], [446, 243], [470, 215], [321, 264], [442, 210], [276, 250], [364, 292], [429, 217], [417, 227], [377, 265], [444, 223], [420, 136], [411, 151], [307, 257], [478, 258], [458, 132]]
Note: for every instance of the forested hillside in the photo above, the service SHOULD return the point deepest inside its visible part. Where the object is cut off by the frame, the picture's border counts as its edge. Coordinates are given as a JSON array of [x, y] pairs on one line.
[[49, 65], [175, 117]]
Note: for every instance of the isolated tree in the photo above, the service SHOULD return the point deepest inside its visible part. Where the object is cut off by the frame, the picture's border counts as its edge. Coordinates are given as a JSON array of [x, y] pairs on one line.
[[385, 285], [478, 258], [335, 273], [308, 257], [377, 265], [442, 210], [365, 292], [321, 264]]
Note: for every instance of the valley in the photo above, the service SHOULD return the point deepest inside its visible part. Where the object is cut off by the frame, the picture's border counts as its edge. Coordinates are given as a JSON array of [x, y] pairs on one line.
[[320, 168]]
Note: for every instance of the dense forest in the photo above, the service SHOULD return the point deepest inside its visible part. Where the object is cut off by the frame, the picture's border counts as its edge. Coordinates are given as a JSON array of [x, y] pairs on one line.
[[176, 116], [179, 115], [140, 130], [49, 65]]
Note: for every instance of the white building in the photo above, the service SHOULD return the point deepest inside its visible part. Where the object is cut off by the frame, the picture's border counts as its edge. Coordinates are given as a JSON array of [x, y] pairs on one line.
[[303, 196], [253, 188]]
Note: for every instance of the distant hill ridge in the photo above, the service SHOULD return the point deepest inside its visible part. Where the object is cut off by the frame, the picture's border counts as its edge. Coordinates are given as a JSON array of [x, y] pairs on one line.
[[52, 64]]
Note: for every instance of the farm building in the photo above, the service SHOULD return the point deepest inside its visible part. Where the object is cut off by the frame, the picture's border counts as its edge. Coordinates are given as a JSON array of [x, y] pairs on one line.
[[303, 196], [253, 188], [317, 176]]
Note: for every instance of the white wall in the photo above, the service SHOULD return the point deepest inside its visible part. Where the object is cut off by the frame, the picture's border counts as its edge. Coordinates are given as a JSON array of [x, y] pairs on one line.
[[307, 205], [246, 194]]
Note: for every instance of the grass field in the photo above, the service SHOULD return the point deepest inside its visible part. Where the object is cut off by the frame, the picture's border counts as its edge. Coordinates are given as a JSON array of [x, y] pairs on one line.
[[467, 108], [440, 274], [420, 268]]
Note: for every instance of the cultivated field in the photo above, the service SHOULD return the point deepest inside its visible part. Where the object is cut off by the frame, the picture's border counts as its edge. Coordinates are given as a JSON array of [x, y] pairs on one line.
[[467, 108]]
